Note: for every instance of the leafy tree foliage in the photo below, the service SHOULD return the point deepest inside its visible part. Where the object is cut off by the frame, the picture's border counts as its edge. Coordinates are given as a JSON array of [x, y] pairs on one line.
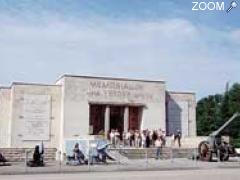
[[214, 110], [208, 114]]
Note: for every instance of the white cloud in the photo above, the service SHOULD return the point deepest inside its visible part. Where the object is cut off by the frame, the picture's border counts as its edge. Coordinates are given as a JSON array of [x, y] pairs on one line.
[[175, 50], [235, 34]]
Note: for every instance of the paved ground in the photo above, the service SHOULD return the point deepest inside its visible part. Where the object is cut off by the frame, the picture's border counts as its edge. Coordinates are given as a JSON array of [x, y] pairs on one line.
[[122, 165], [213, 174]]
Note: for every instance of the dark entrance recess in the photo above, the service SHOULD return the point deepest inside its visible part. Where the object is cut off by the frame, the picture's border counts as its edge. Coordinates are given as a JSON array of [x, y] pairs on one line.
[[135, 114], [97, 119], [117, 118]]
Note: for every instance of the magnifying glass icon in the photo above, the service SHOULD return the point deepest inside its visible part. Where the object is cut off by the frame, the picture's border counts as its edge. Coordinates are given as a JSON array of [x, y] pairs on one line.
[[232, 5]]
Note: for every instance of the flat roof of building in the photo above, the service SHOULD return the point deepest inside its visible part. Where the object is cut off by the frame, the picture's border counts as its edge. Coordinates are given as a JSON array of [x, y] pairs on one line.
[[33, 84], [5, 87], [109, 78], [181, 92]]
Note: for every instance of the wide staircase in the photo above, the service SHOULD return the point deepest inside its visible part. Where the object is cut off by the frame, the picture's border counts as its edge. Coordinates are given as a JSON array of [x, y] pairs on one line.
[[187, 150], [19, 154]]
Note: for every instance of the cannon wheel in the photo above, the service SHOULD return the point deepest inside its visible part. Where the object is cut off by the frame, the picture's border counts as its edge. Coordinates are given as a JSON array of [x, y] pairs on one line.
[[204, 151]]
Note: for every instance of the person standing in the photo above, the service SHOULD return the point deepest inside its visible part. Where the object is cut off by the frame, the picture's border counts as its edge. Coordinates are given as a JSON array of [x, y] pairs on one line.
[[128, 137], [163, 138], [112, 137], [158, 146], [143, 139], [148, 139], [177, 137], [117, 138], [132, 138], [137, 139], [154, 136]]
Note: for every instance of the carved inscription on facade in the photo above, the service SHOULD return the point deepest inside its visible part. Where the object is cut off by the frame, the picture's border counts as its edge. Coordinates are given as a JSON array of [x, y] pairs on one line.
[[119, 90], [36, 114]]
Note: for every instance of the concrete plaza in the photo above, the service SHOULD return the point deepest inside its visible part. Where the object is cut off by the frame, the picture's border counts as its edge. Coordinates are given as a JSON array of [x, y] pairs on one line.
[[122, 165], [213, 174]]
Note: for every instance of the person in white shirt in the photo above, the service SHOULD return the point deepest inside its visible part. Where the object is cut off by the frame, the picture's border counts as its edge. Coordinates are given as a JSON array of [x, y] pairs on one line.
[[158, 146], [112, 137], [159, 132], [143, 139], [117, 137], [137, 138], [163, 138], [128, 136]]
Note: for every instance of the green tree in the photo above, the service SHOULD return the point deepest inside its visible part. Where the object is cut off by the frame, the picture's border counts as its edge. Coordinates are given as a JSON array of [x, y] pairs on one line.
[[208, 114], [213, 111], [233, 130]]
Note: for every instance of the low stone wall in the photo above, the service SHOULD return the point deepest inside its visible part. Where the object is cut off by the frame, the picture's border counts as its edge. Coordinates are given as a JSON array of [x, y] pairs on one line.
[[166, 153], [19, 154], [186, 142]]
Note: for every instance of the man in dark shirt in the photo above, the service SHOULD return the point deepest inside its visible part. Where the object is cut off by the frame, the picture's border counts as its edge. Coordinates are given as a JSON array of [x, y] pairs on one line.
[[178, 136]]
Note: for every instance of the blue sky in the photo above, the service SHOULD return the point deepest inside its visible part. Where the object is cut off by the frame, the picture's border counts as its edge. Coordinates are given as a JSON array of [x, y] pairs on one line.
[[149, 39]]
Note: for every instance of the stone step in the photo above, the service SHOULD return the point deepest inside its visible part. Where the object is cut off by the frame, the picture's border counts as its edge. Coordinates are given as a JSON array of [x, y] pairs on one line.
[[19, 154], [166, 153]]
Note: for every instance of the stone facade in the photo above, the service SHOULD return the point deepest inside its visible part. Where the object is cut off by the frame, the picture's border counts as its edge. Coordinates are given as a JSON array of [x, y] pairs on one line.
[[5, 116], [181, 113], [79, 92], [31, 113]]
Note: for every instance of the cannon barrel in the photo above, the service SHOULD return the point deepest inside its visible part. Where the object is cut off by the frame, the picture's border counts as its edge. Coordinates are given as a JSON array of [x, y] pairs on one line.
[[212, 145], [215, 133]]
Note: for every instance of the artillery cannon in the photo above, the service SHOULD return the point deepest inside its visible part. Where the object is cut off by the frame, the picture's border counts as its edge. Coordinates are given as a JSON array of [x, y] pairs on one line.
[[216, 145]]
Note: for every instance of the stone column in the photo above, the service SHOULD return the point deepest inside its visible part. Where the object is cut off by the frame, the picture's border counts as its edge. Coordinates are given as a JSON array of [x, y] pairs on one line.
[[107, 121], [126, 118]]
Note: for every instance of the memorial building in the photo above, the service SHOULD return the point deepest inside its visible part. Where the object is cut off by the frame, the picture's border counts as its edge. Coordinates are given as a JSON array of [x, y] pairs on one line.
[[78, 107]]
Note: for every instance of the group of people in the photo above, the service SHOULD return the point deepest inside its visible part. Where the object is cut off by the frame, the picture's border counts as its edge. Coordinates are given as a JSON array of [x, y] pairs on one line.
[[142, 139], [137, 138], [132, 138]]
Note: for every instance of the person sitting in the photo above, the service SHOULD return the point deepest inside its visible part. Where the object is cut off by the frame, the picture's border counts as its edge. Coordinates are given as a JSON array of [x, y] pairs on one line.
[[78, 155], [37, 158]]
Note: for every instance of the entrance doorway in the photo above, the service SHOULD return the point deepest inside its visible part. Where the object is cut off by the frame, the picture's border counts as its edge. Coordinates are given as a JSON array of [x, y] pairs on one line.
[[117, 118], [113, 116], [135, 117], [96, 122]]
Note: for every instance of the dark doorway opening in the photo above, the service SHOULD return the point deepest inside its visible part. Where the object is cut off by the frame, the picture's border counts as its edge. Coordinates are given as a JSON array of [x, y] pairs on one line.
[[97, 119], [135, 117], [117, 118]]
